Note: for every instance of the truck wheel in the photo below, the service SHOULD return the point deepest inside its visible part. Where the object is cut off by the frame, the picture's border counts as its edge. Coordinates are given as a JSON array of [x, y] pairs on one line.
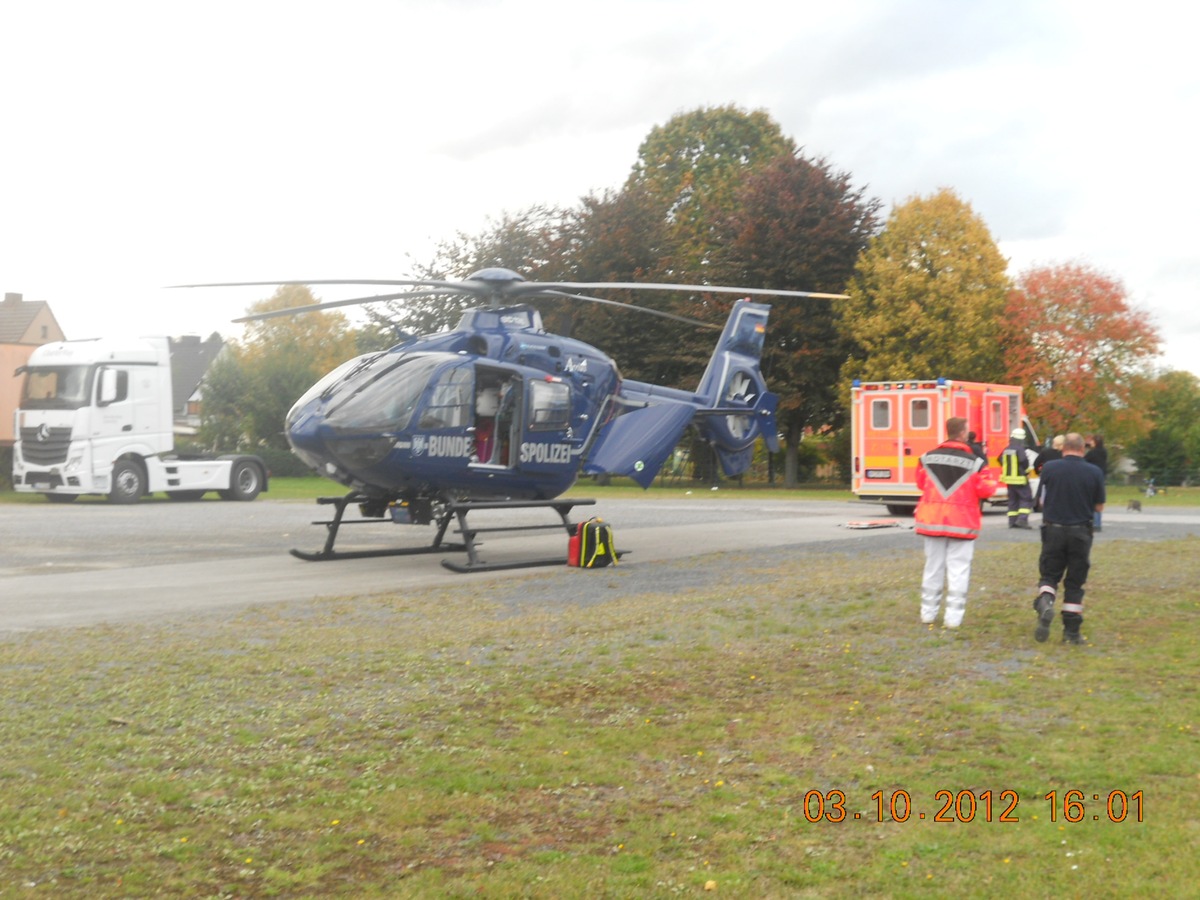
[[128, 482], [245, 481]]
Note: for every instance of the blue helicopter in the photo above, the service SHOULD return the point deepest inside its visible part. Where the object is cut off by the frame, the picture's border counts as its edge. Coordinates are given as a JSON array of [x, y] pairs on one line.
[[498, 413]]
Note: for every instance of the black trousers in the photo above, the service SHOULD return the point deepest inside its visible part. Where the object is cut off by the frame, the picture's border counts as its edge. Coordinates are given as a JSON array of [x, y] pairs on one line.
[[1066, 557]]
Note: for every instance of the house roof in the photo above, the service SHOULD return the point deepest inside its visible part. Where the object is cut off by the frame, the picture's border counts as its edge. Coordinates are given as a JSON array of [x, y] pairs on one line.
[[17, 315], [190, 359]]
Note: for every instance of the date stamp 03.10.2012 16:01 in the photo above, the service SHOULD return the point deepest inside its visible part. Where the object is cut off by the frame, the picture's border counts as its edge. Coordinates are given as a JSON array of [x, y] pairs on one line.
[[1114, 806]]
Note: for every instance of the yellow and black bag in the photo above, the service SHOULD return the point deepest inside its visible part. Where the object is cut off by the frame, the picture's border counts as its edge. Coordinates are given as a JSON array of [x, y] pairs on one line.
[[596, 548]]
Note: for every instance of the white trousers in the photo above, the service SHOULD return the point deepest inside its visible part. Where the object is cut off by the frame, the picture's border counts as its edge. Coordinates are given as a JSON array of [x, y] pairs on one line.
[[947, 560]]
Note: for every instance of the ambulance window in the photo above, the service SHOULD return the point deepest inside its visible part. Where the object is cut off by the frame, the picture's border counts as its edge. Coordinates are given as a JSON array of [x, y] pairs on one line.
[[881, 414], [920, 413], [550, 402], [999, 420]]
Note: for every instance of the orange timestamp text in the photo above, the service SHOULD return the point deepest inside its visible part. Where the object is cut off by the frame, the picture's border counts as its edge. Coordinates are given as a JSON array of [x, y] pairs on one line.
[[970, 806]]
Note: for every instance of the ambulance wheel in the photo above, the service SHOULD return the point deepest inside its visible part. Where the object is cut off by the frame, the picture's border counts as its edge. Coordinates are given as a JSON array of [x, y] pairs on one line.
[[245, 481], [897, 510], [128, 482]]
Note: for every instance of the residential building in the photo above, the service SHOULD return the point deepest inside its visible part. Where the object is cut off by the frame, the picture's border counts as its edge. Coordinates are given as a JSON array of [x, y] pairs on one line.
[[24, 325]]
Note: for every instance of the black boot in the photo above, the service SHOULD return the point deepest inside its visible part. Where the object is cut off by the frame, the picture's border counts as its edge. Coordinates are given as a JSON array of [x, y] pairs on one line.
[[1044, 604], [1072, 623]]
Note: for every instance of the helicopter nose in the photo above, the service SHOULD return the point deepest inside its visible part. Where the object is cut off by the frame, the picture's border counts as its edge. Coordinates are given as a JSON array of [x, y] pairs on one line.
[[303, 436]]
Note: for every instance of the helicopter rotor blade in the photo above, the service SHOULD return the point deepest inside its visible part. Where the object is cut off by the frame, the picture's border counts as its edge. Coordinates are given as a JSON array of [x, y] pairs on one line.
[[334, 304], [424, 282], [533, 287], [641, 309], [497, 285]]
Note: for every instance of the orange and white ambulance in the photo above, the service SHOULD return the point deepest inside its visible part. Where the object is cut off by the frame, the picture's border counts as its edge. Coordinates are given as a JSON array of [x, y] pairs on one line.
[[893, 422]]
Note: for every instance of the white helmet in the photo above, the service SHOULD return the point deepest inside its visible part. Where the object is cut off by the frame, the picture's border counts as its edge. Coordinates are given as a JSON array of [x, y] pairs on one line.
[[1018, 433]]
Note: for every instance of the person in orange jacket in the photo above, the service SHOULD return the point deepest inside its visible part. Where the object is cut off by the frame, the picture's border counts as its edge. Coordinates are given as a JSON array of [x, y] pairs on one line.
[[953, 480]]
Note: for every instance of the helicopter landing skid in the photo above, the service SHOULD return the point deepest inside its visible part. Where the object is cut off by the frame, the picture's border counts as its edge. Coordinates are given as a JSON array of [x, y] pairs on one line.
[[475, 564], [458, 510], [333, 525]]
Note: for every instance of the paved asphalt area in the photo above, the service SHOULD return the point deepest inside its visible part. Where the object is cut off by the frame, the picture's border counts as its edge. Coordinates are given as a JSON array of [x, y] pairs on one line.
[[90, 562]]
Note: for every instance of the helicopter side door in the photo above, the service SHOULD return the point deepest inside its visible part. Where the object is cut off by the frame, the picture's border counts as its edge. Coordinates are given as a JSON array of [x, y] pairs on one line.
[[545, 427], [498, 414]]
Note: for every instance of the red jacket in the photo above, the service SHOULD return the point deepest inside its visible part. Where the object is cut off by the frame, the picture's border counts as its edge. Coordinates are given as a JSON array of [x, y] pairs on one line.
[[953, 481]]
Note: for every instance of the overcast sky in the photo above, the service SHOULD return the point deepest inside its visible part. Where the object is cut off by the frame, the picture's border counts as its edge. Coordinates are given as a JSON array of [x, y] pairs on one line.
[[144, 144]]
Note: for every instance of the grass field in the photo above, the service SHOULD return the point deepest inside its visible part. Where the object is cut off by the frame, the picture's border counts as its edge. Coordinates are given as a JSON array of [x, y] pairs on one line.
[[791, 731]]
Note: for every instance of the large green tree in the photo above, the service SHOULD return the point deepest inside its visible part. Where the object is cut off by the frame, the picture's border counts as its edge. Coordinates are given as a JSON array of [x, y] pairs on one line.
[[927, 297], [663, 225], [691, 168], [1079, 346], [1170, 453], [666, 225]]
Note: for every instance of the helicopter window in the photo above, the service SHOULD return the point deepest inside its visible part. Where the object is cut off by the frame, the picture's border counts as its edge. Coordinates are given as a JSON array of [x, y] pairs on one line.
[[386, 400], [450, 402], [346, 372], [549, 404]]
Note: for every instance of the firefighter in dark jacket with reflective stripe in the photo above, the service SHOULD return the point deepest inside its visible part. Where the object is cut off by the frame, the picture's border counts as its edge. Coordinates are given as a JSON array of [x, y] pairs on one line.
[[953, 481], [1074, 493], [1014, 473]]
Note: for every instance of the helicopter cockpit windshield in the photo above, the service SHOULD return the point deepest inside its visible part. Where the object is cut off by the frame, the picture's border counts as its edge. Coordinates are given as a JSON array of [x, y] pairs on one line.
[[383, 394]]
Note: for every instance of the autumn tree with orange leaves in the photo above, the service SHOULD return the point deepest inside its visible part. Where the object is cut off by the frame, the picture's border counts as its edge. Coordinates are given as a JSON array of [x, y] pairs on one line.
[[1080, 348]]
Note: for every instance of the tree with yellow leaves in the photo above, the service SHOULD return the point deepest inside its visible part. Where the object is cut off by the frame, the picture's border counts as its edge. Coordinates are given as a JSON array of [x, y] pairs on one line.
[[251, 387], [927, 297]]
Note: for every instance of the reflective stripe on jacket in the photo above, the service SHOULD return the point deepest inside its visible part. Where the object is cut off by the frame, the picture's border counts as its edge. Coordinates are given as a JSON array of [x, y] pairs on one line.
[[1014, 465], [953, 481]]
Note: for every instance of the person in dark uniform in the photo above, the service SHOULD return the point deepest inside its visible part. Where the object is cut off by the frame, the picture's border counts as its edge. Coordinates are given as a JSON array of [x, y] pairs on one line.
[[1074, 494], [1054, 451], [1097, 455]]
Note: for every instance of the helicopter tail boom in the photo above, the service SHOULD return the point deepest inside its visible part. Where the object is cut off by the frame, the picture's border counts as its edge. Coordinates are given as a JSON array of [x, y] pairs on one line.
[[731, 408]]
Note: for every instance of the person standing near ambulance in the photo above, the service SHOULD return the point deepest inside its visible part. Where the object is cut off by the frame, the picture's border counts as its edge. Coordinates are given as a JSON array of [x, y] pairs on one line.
[[953, 480], [1014, 473]]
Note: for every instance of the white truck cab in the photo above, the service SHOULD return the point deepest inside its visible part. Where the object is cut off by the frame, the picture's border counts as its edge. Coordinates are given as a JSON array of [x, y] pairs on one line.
[[96, 417]]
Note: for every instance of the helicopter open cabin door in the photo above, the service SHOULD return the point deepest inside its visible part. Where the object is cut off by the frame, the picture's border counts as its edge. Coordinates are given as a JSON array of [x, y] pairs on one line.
[[496, 415], [545, 444], [521, 422]]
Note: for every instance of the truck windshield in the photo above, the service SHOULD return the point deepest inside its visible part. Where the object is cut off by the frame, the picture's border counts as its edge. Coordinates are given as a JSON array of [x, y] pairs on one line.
[[57, 387]]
